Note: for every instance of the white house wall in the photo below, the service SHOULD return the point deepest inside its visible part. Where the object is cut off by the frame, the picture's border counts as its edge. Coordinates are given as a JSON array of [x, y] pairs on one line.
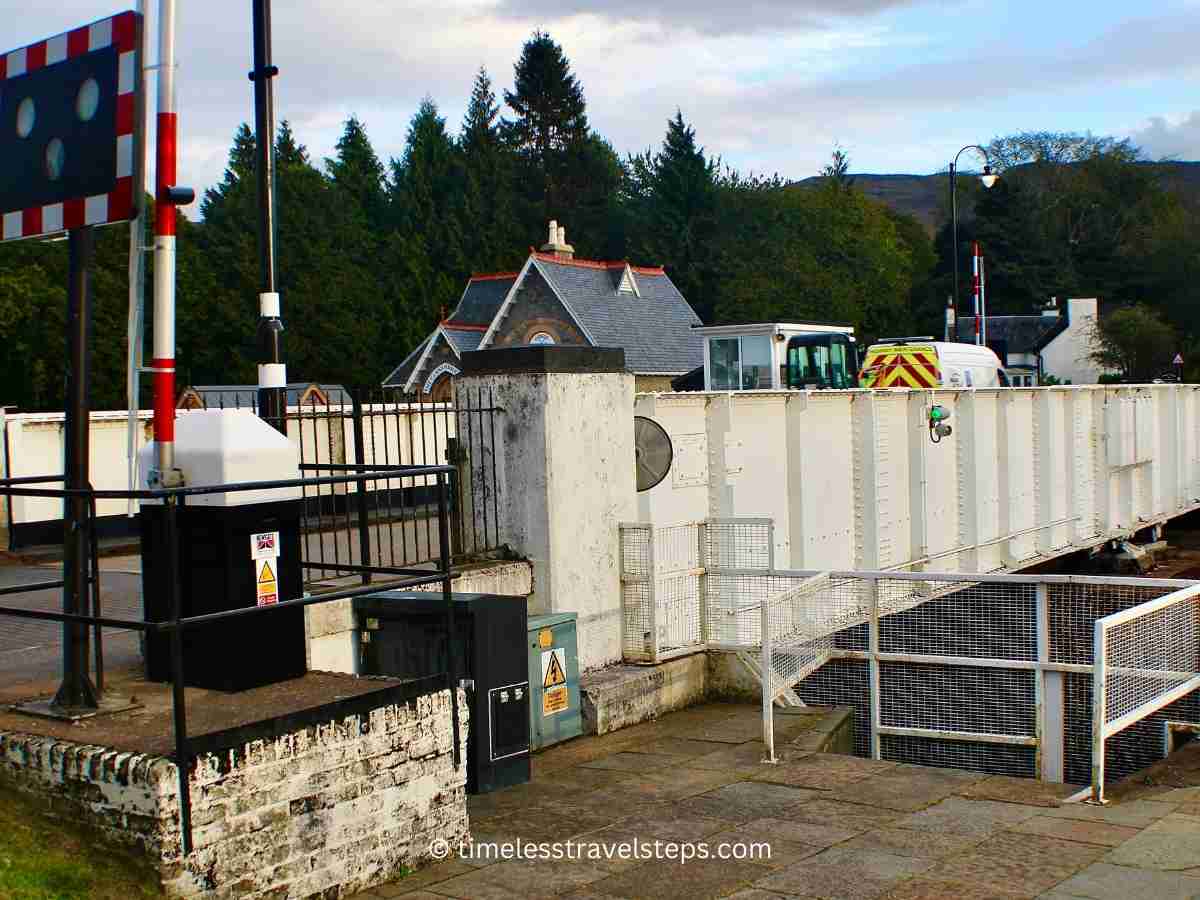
[[850, 478]]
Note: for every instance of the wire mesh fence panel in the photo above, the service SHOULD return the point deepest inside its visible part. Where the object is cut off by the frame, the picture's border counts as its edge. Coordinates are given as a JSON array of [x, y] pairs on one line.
[[973, 756], [1074, 608], [989, 621], [1150, 655], [738, 544], [958, 698], [637, 592]]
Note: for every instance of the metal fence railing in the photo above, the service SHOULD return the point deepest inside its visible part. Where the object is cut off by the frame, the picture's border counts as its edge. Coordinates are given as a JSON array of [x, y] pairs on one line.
[[76, 610], [383, 520], [1144, 658], [983, 672]]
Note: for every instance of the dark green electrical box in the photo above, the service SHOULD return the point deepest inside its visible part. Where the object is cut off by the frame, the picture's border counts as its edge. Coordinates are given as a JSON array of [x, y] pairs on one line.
[[554, 712]]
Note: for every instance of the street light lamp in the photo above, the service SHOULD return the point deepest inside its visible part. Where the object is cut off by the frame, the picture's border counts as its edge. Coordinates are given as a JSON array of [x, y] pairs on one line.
[[988, 177]]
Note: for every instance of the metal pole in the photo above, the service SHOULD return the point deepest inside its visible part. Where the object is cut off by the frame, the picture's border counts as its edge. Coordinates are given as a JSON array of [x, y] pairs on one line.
[[954, 233], [76, 690], [767, 676], [178, 694], [272, 374], [975, 285], [364, 531], [1099, 708], [162, 361], [448, 599], [873, 670]]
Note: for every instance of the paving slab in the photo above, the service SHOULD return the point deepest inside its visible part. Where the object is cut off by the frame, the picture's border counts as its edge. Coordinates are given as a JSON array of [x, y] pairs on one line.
[[423, 878], [1081, 830], [924, 888], [975, 818], [1026, 791], [918, 844], [695, 880], [521, 878], [1170, 844], [629, 761], [846, 815], [744, 801], [1022, 863], [907, 790], [773, 852], [1134, 813], [823, 771], [840, 874], [813, 834], [1104, 881]]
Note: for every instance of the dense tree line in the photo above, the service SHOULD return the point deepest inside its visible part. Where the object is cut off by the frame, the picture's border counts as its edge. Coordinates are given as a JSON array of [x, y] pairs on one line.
[[371, 252]]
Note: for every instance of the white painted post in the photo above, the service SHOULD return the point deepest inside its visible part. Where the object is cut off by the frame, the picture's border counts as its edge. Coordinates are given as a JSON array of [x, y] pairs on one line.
[[1049, 690], [702, 580], [873, 668], [767, 673], [1099, 709], [652, 598]]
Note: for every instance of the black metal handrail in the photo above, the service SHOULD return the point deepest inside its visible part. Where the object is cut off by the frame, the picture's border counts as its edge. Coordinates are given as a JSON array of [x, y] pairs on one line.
[[175, 497]]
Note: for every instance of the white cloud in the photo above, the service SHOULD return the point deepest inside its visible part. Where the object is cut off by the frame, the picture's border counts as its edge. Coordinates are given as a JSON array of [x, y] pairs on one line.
[[1176, 137]]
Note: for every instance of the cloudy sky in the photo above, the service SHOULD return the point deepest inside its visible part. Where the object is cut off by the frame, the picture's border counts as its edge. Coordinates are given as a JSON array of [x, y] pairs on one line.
[[770, 85]]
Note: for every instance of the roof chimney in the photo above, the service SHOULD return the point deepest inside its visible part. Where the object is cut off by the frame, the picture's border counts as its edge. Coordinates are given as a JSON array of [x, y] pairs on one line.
[[558, 242]]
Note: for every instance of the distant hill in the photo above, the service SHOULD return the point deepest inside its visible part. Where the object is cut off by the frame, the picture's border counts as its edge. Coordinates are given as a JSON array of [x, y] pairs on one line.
[[925, 197]]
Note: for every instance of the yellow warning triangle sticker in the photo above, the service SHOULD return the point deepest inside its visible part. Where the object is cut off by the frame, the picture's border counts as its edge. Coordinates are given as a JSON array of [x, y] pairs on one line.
[[266, 576], [554, 672]]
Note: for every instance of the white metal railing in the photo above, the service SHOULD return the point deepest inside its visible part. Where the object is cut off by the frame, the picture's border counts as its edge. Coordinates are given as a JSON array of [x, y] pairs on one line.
[[1144, 658], [967, 660]]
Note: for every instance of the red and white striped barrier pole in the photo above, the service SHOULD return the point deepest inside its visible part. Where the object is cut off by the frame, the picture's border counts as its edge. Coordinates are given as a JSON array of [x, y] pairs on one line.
[[163, 357], [975, 277]]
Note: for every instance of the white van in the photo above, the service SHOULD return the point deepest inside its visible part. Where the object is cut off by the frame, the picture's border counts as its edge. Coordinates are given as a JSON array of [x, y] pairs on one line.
[[924, 363]]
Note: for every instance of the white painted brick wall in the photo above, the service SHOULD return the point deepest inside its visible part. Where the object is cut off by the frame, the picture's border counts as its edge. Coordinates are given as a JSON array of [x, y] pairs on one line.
[[338, 807]]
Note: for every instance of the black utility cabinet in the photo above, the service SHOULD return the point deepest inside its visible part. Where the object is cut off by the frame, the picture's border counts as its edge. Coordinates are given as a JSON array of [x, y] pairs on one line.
[[219, 574], [403, 634]]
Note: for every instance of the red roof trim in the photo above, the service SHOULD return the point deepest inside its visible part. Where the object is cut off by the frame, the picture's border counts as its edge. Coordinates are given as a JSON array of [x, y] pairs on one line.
[[455, 326], [595, 264], [494, 276]]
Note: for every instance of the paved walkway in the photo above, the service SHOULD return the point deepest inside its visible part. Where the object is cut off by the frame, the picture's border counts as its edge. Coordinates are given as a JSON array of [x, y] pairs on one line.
[[839, 827]]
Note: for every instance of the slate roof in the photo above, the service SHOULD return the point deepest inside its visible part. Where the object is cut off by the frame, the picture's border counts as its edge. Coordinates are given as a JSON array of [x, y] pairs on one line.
[[654, 329], [400, 374], [1022, 334], [481, 300], [462, 340]]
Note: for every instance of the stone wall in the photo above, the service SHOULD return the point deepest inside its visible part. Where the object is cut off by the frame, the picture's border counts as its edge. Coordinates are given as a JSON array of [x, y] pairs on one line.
[[331, 805]]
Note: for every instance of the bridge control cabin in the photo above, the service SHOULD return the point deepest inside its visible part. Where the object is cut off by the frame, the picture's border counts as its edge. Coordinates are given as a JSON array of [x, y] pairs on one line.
[[779, 356]]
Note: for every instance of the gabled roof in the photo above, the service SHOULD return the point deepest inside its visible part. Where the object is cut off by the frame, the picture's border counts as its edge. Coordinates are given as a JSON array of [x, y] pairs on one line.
[[1023, 334], [482, 298], [654, 326], [463, 339], [400, 374], [615, 304]]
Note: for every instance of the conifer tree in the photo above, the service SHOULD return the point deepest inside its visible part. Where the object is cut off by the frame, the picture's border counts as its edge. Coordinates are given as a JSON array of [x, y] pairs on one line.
[[358, 175]]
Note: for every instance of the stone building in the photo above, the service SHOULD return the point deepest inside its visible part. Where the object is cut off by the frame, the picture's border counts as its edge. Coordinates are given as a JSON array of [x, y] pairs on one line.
[[558, 299]]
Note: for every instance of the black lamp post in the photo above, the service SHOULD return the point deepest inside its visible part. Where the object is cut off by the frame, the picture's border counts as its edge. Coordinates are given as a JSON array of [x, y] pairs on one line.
[[988, 178]]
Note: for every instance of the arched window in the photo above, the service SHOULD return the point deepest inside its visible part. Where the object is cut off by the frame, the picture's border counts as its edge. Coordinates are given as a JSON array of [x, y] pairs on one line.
[[541, 338]]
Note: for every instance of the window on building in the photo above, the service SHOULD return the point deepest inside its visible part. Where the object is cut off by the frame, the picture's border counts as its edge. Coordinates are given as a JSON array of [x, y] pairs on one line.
[[541, 338]]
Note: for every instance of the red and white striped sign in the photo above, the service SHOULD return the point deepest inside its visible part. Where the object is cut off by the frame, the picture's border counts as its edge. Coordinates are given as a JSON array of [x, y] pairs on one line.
[[123, 33]]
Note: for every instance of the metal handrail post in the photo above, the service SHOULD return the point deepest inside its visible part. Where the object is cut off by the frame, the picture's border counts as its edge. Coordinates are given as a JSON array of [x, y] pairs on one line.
[[448, 599]]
